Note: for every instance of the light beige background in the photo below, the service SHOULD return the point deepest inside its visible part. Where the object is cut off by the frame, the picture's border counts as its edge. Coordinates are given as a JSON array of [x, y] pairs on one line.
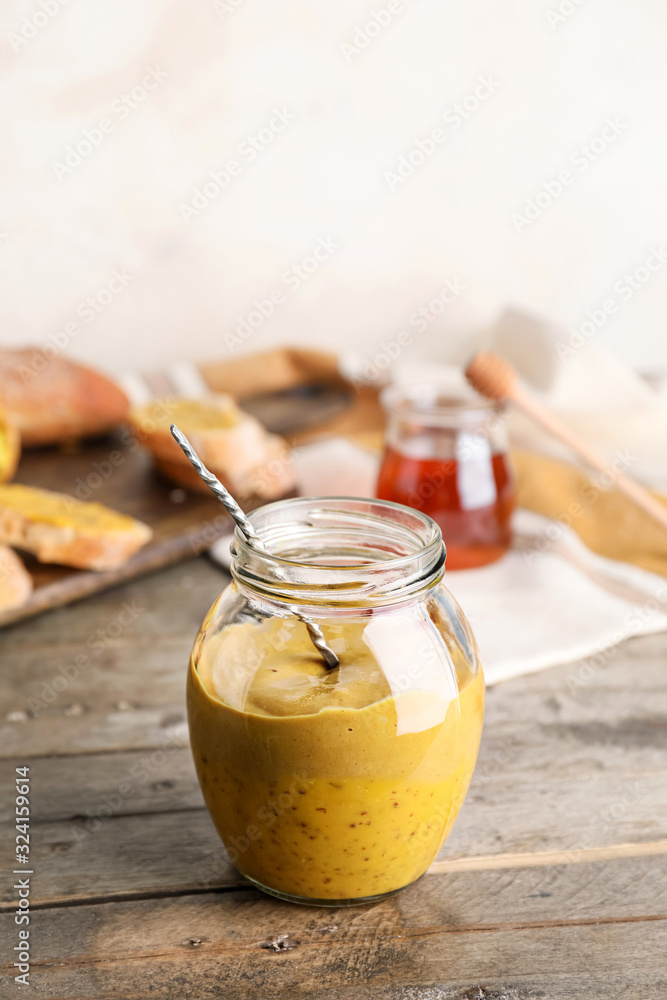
[[227, 66]]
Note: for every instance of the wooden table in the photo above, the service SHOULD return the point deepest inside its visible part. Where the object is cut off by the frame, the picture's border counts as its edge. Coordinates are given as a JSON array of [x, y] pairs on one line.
[[551, 887]]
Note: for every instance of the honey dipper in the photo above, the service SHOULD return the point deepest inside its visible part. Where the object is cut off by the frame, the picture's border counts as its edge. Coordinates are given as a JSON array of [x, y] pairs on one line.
[[232, 507], [494, 377]]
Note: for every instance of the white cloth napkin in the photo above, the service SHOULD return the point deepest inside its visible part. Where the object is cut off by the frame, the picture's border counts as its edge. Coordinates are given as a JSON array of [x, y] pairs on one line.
[[532, 609]]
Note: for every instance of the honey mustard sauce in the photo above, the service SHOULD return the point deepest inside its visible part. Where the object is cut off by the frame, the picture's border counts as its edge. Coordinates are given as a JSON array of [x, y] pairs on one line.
[[333, 784]]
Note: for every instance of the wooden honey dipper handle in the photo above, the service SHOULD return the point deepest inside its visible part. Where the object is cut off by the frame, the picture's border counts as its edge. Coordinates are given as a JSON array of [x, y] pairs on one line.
[[494, 377]]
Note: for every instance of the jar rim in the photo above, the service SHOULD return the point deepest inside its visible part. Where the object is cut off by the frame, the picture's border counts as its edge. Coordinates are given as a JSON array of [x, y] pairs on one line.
[[388, 549], [438, 403]]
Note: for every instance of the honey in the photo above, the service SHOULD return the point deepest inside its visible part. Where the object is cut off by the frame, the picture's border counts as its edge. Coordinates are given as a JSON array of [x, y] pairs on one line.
[[447, 455], [472, 501]]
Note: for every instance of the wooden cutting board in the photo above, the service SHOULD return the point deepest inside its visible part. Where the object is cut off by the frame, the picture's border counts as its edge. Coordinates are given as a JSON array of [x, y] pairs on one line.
[[119, 473], [183, 523]]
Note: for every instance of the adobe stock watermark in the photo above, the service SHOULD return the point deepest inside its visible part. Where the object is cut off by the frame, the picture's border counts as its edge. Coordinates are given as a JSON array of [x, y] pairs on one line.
[[418, 322], [101, 471], [32, 24], [363, 34], [292, 279], [262, 480], [247, 151], [623, 290], [88, 310], [562, 11], [581, 159], [452, 119], [121, 108]]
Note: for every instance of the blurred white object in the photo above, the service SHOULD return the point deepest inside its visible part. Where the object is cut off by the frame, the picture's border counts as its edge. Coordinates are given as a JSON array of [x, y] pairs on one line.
[[528, 343], [187, 380], [135, 388], [612, 407]]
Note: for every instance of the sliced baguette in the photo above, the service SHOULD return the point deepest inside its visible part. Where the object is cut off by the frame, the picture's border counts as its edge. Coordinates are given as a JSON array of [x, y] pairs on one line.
[[58, 528], [51, 399], [232, 444], [221, 434], [15, 581]]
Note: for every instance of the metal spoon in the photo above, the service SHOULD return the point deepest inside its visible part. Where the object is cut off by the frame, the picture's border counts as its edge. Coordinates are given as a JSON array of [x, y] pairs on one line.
[[232, 507]]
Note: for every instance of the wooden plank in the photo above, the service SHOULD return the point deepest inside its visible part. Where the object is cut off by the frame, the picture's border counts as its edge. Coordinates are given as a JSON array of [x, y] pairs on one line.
[[106, 857], [173, 602], [128, 688], [590, 932], [502, 815], [137, 835], [62, 788]]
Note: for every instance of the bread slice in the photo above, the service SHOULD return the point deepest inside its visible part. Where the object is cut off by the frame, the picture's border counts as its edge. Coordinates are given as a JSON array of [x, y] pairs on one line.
[[51, 399], [232, 444], [10, 448], [221, 434], [273, 478], [15, 581], [58, 528]]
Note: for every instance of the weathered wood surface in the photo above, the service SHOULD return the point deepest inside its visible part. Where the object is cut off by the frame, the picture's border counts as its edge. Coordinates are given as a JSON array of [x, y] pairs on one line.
[[128, 692], [157, 835], [589, 932], [572, 768]]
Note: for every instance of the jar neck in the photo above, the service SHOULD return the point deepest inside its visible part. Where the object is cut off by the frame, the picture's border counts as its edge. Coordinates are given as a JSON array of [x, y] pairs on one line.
[[424, 420], [339, 552]]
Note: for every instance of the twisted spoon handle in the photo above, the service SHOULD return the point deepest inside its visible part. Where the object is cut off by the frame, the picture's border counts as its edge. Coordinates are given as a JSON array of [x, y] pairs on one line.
[[214, 484], [232, 507], [319, 642]]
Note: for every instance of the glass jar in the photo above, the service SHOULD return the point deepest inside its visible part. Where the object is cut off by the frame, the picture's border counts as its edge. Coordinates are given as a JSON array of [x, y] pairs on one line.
[[335, 786], [448, 456]]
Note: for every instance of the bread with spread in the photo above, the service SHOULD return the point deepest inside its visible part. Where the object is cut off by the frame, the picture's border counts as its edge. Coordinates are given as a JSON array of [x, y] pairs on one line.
[[57, 528], [234, 445]]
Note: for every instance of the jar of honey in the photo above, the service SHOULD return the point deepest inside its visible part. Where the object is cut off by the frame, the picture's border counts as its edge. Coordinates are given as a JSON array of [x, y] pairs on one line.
[[448, 457], [335, 786]]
